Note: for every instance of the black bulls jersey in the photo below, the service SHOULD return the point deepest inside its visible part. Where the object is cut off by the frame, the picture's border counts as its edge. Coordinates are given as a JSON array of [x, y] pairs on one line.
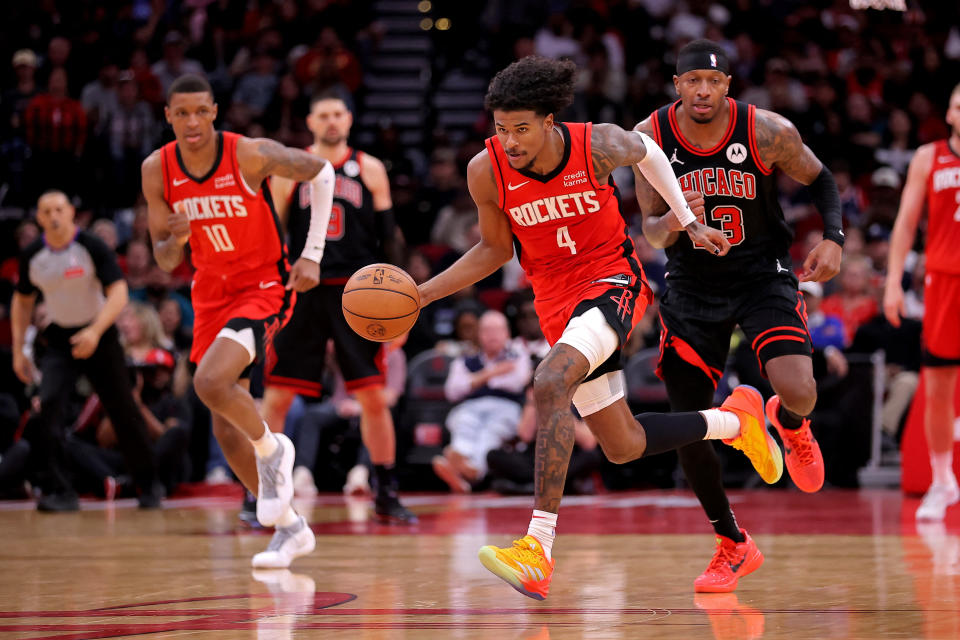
[[352, 238], [741, 199]]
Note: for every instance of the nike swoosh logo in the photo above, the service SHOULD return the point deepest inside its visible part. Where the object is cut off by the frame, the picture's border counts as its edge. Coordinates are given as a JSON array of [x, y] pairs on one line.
[[267, 285], [514, 187], [177, 183], [736, 567]]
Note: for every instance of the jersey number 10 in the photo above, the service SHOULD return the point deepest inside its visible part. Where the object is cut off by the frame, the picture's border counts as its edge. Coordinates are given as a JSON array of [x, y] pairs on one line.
[[218, 237]]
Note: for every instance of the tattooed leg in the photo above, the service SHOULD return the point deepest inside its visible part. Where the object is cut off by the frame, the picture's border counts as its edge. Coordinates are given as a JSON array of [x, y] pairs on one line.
[[557, 377]]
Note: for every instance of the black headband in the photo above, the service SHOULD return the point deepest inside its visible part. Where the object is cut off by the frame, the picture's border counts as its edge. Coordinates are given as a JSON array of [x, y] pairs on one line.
[[709, 60]]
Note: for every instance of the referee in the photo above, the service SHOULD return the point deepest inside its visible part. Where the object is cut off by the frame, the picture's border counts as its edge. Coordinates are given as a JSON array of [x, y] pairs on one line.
[[73, 269]]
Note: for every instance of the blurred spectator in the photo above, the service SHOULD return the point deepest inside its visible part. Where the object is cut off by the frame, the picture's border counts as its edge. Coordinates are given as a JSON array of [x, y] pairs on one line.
[[856, 301], [13, 143], [328, 64], [488, 388], [521, 310], [255, 88], [554, 39], [56, 131], [883, 197], [26, 233], [825, 330], [99, 97], [174, 63], [444, 183], [171, 320], [899, 144], [148, 84], [457, 225], [461, 324], [130, 131]]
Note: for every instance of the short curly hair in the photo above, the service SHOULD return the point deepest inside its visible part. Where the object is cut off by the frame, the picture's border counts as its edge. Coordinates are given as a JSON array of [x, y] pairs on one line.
[[542, 85]]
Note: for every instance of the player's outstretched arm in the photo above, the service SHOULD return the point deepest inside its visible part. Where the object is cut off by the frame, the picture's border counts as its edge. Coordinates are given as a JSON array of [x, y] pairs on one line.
[[779, 145], [613, 147], [661, 226], [169, 231], [905, 231], [496, 240], [259, 158]]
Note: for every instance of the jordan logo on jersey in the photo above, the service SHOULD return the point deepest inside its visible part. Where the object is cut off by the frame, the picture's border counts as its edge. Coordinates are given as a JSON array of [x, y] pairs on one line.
[[567, 205], [209, 207], [720, 182]]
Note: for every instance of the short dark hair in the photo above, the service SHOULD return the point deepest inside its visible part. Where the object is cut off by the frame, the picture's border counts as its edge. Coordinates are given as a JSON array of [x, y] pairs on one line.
[[189, 83], [329, 94], [542, 85]]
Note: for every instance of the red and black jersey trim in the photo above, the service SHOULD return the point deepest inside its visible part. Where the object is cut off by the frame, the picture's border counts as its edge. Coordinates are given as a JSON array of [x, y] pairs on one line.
[[587, 160], [675, 128], [213, 169], [752, 137], [655, 121], [501, 188]]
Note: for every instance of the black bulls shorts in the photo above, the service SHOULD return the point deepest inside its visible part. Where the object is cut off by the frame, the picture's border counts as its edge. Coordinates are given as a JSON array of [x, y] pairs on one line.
[[296, 358], [698, 327]]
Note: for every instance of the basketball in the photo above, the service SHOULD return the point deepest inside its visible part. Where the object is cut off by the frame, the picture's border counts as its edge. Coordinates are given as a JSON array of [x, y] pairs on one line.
[[380, 302]]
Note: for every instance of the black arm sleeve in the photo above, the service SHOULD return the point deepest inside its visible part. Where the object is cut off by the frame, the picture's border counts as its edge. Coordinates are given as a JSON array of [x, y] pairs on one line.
[[24, 285], [826, 197], [105, 260], [386, 223]]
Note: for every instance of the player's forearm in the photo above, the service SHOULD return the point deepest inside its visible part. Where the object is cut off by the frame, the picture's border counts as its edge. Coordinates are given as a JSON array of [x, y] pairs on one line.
[[321, 206], [657, 232], [475, 265], [904, 232], [20, 311], [298, 165], [656, 169], [168, 253], [117, 298]]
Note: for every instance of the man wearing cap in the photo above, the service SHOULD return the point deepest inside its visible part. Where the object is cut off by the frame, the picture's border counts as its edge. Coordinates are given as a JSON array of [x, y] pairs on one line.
[[13, 104], [727, 151], [84, 291]]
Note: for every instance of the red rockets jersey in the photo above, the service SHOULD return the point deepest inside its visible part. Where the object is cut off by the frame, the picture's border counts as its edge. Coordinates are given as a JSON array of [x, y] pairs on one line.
[[567, 227], [234, 229], [943, 205]]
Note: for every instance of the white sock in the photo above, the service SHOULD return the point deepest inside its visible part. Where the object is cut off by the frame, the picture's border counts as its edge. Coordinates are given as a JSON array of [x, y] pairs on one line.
[[721, 424], [265, 444], [288, 519], [543, 527], [942, 466]]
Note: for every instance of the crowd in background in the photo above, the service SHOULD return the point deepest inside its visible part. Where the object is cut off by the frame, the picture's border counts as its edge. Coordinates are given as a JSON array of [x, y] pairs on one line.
[[82, 106]]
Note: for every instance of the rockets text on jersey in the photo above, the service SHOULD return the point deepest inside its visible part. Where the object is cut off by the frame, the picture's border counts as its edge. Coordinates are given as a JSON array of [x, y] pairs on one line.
[[233, 228], [568, 229]]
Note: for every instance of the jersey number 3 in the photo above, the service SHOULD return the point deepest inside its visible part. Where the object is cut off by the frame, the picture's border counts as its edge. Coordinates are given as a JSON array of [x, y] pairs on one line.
[[731, 223]]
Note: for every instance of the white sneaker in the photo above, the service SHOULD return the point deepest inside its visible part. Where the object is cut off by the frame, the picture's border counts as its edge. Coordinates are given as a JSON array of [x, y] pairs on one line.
[[358, 481], [287, 543], [936, 501], [218, 475], [303, 484], [275, 482]]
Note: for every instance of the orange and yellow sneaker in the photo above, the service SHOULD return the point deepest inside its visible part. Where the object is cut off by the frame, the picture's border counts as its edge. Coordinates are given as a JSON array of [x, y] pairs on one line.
[[804, 460], [731, 561], [524, 566], [754, 440]]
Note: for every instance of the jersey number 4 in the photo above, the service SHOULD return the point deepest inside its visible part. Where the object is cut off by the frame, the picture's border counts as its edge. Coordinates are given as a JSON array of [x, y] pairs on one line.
[[564, 240], [730, 219]]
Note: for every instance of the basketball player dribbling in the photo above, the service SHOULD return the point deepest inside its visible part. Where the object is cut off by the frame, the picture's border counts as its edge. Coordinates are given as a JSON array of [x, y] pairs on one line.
[[210, 189], [543, 187], [361, 232], [934, 178], [727, 151]]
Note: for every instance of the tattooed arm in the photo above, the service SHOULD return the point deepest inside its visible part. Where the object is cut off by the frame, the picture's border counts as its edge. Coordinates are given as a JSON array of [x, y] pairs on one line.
[[660, 226], [613, 147], [779, 145], [260, 157]]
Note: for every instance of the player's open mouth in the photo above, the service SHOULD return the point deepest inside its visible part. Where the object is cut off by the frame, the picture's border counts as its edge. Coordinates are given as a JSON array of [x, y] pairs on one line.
[[193, 137], [701, 108]]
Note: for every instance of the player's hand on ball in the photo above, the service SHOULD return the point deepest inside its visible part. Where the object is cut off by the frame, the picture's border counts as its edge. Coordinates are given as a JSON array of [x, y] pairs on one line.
[[304, 275], [713, 240], [696, 202], [179, 226]]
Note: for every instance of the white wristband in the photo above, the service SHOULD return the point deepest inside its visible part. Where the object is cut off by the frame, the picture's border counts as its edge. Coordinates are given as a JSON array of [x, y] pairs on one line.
[[321, 203], [656, 169]]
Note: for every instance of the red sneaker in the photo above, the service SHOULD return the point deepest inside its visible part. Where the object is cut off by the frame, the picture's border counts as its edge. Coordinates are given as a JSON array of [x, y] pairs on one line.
[[730, 619], [800, 448], [731, 561]]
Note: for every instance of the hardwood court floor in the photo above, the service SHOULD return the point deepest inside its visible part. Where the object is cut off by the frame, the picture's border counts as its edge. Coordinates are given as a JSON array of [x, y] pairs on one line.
[[839, 564]]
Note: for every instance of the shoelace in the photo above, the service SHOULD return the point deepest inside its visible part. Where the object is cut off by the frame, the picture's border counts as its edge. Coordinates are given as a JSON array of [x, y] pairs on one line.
[[725, 556], [801, 441], [526, 554]]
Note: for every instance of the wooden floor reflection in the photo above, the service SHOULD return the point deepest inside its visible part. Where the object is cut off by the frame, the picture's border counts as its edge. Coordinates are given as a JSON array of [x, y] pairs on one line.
[[838, 565]]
